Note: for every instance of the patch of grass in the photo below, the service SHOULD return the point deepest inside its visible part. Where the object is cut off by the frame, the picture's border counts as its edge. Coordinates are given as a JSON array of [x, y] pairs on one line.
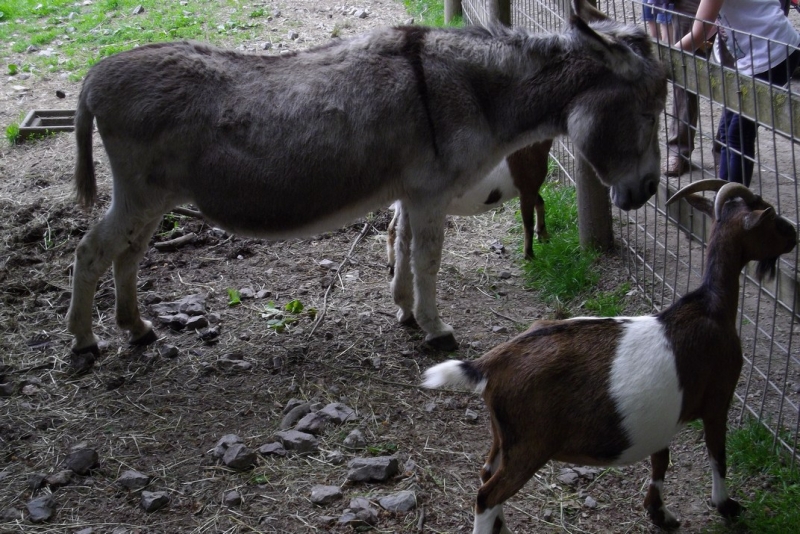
[[775, 507], [82, 34], [608, 303], [430, 13], [561, 269], [12, 133]]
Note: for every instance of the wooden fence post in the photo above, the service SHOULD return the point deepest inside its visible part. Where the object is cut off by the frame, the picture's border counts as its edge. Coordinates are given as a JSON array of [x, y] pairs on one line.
[[452, 8], [500, 10], [594, 205]]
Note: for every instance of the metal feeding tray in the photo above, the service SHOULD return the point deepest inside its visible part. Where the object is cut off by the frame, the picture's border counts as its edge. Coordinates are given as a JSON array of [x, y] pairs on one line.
[[46, 121]]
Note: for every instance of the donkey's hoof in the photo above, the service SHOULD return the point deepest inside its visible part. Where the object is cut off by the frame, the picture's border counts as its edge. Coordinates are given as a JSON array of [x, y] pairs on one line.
[[446, 343], [81, 360], [730, 509], [145, 339]]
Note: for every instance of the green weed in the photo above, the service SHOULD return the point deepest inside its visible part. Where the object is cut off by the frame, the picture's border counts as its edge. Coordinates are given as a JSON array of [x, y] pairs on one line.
[[12, 133], [234, 299], [429, 13]]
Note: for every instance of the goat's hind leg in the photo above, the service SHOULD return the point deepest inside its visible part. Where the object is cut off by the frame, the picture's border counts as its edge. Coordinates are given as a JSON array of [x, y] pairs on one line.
[[653, 503]]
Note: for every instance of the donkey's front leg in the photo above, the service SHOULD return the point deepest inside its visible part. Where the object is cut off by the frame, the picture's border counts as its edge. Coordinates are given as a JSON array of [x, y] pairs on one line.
[[427, 238]]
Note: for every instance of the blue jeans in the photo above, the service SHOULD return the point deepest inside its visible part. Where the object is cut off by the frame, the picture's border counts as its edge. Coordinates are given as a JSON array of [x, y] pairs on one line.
[[738, 134]]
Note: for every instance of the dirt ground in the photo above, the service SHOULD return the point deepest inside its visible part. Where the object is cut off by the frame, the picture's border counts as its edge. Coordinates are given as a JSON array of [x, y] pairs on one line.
[[162, 414]]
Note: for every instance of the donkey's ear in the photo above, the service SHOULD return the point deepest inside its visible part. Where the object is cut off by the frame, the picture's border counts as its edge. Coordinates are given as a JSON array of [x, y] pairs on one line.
[[617, 56], [587, 11]]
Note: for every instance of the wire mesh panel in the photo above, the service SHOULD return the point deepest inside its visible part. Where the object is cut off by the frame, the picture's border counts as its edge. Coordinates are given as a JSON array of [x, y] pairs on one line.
[[664, 250]]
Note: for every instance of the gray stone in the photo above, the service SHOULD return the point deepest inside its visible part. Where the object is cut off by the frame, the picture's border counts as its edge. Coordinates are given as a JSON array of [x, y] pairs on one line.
[[41, 508], [233, 362], [590, 503], [335, 457], [137, 10], [328, 265], [35, 481], [176, 321], [292, 440], [355, 440], [239, 457], [402, 501], [197, 322], [292, 35], [547, 515], [82, 461], [168, 351], [11, 514], [586, 472], [294, 415], [60, 479], [154, 500], [133, 480], [264, 293], [87, 530], [232, 498], [272, 448], [224, 442], [360, 14], [322, 495], [247, 293], [338, 412], [568, 476], [372, 469], [190, 305], [499, 330], [312, 423], [471, 415]]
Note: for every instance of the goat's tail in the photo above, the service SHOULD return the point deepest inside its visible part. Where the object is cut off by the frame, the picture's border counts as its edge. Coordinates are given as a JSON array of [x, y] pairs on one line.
[[85, 183], [455, 373]]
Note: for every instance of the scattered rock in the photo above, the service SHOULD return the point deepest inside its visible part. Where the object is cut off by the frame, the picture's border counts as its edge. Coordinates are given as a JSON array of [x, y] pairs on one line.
[[209, 335], [359, 514], [232, 498], [263, 293], [11, 514], [360, 14], [239, 457], [471, 415], [295, 414], [377, 469], [402, 501], [138, 10], [292, 35], [300, 442], [168, 351], [175, 322], [60, 479], [568, 476], [322, 495], [154, 500], [500, 330], [225, 442], [82, 461], [338, 412], [190, 305], [35, 481], [312, 423], [547, 515], [133, 480], [272, 449], [590, 503], [504, 275], [197, 322], [585, 472], [41, 509], [233, 362], [335, 457], [355, 440], [328, 265]]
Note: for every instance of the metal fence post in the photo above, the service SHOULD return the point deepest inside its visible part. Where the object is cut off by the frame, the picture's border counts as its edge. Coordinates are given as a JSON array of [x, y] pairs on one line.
[[500, 10], [452, 8]]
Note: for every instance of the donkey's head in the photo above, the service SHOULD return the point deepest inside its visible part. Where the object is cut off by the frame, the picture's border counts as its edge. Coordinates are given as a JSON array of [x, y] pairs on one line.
[[614, 123]]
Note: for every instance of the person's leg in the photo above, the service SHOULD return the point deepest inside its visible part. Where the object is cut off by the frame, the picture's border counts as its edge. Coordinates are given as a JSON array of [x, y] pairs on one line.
[[680, 142]]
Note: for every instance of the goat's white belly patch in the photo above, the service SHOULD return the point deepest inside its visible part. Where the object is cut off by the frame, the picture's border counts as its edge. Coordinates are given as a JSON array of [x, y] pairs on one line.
[[644, 385]]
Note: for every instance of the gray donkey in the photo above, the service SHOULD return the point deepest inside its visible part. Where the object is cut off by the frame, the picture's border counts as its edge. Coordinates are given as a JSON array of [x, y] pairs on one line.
[[294, 145]]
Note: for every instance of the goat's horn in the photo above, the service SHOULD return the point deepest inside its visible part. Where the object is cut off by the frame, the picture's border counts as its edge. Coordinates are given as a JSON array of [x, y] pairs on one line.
[[695, 187], [728, 191]]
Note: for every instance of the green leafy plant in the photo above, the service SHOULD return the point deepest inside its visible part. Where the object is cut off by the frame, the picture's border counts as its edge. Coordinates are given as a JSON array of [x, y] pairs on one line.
[[234, 299], [279, 319], [12, 133], [13, 69], [382, 449]]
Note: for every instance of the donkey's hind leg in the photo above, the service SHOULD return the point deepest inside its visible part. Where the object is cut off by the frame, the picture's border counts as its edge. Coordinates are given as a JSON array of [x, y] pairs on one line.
[[102, 245], [126, 265]]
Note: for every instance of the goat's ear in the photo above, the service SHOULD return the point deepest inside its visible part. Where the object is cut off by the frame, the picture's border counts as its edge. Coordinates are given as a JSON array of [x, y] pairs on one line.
[[754, 219], [615, 54], [701, 203], [587, 11]]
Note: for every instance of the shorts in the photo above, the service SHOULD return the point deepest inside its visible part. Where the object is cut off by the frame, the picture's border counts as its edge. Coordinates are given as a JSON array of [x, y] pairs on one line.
[[653, 11]]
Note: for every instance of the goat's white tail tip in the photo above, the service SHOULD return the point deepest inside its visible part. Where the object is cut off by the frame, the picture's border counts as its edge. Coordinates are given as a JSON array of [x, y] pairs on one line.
[[452, 373]]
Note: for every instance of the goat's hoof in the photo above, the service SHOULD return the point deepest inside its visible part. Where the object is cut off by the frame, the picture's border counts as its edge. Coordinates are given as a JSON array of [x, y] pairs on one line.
[[663, 518], [81, 360], [410, 322], [145, 339], [730, 509], [446, 343]]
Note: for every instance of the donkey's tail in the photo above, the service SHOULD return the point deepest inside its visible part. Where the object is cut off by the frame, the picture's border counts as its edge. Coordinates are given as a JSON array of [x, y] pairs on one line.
[[85, 182], [455, 373]]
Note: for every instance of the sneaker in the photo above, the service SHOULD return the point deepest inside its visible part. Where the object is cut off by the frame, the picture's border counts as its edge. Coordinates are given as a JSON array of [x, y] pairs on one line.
[[675, 165]]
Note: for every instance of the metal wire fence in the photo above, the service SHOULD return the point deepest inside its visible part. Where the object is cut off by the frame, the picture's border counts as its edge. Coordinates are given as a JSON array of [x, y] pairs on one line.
[[664, 250]]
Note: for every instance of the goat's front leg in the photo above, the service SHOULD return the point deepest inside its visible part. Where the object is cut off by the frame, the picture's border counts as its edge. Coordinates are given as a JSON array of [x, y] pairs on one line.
[[715, 430], [427, 238], [653, 503]]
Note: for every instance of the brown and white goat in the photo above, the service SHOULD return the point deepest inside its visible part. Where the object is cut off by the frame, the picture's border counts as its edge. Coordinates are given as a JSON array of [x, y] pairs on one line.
[[611, 391], [520, 174]]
